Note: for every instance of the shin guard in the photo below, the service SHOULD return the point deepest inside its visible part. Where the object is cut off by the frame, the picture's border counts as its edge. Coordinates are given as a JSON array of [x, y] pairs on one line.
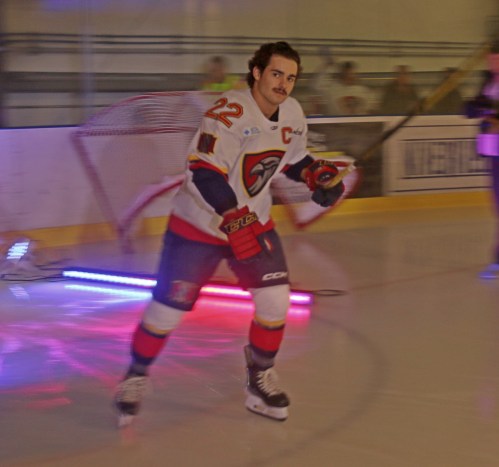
[[265, 342]]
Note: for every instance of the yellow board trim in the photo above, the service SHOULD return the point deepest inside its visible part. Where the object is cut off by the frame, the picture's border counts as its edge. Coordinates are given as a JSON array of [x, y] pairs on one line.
[[351, 213]]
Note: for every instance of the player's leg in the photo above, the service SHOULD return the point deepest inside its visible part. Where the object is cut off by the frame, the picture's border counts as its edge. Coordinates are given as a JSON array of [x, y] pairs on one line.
[[266, 333], [185, 266], [267, 280], [150, 336]]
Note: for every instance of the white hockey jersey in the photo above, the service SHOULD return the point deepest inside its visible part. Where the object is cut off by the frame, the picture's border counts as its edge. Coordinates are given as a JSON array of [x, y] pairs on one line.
[[239, 141]]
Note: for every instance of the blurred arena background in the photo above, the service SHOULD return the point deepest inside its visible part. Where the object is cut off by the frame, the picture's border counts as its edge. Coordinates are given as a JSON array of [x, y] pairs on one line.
[[61, 60], [64, 61]]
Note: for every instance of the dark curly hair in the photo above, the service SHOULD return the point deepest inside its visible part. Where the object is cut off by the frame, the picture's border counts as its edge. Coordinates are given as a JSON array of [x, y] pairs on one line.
[[262, 58]]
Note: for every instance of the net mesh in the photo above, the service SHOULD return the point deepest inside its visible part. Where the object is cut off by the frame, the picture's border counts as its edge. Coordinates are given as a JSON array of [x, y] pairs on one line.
[[138, 143]]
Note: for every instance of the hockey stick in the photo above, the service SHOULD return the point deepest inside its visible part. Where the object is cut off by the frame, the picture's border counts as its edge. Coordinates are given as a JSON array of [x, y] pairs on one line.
[[426, 104]]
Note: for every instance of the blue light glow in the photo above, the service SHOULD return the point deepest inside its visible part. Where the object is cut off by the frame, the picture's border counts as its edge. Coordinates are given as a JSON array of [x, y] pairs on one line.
[[132, 294], [218, 290], [111, 278]]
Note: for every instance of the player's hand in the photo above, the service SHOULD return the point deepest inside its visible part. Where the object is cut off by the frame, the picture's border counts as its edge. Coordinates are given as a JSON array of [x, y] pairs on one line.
[[326, 198], [242, 228], [317, 175]]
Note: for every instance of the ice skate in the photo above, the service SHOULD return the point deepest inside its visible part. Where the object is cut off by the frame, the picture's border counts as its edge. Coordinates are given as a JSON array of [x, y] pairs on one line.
[[490, 272], [129, 394], [264, 395]]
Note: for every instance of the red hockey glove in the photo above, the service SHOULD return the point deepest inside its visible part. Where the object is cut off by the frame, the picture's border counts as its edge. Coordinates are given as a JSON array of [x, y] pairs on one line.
[[317, 175], [242, 228]]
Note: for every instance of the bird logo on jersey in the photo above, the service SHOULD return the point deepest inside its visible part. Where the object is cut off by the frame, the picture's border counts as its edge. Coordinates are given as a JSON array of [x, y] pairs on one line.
[[259, 168]]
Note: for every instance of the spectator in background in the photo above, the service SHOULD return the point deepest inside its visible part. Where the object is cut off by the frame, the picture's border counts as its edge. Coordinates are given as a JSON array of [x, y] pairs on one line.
[[452, 103], [322, 79], [399, 96], [347, 96], [217, 78]]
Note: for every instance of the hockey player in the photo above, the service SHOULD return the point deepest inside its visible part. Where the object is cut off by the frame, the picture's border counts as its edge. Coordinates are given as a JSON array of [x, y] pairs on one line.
[[486, 106], [222, 211]]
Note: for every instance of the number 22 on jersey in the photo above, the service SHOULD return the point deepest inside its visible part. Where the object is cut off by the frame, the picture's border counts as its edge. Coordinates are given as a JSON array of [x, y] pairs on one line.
[[224, 111]]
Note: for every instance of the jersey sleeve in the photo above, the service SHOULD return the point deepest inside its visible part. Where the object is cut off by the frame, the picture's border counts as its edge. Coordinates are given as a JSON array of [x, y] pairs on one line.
[[214, 189], [293, 171], [213, 153], [298, 147]]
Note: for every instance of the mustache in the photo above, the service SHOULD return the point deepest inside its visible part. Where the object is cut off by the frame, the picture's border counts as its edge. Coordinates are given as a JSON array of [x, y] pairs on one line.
[[282, 90]]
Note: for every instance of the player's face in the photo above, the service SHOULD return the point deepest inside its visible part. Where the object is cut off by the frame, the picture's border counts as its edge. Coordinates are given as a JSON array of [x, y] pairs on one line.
[[274, 84]]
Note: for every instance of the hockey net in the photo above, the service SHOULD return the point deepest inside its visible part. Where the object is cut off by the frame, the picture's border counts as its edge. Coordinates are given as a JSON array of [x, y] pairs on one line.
[[135, 151]]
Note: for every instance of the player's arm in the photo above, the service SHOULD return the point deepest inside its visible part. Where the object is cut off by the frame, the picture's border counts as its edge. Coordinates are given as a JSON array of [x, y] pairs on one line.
[[209, 161], [316, 173], [212, 183]]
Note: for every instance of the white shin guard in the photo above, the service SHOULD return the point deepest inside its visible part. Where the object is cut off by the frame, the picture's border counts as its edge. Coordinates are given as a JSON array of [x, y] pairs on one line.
[[162, 317], [271, 303]]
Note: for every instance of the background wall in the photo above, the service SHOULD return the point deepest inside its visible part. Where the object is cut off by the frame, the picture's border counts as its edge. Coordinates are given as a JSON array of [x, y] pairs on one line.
[[458, 21], [62, 60], [43, 183]]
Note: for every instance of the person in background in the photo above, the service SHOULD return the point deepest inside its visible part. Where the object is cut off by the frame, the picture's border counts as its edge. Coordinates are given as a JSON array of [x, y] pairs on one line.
[[452, 103], [321, 81], [486, 107], [399, 96], [217, 77], [222, 212], [347, 96]]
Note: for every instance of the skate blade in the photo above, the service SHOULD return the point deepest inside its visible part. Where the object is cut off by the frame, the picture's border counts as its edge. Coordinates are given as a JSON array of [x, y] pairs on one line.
[[256, 405]]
